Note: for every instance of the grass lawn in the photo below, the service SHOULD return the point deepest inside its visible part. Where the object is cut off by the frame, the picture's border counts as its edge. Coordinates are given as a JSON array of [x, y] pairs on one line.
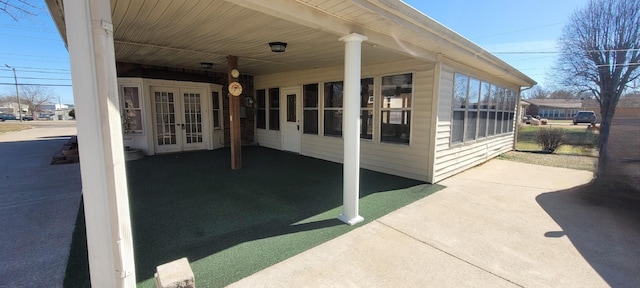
[[12, 127], [231, 224], [578, 140]]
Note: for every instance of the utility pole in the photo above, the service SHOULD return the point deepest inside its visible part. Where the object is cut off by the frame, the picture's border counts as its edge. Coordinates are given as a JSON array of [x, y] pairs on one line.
[[17, 95]]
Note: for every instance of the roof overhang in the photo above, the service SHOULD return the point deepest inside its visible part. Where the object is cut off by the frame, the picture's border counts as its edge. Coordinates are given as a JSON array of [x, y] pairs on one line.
[[184, 33]]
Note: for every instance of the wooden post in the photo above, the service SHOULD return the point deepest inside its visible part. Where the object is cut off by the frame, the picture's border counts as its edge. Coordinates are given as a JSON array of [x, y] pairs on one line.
[[234, 118]]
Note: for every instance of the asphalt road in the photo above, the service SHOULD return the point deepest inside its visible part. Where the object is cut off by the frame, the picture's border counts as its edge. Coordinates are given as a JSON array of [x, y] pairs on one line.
[[38, 205]]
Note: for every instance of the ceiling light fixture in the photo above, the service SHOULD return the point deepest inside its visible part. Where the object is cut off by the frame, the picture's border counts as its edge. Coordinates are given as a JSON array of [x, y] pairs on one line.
[[206, 65], [278, 47]]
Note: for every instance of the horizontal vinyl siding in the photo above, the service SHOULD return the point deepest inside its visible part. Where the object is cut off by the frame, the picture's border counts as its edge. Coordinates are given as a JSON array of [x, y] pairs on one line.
[[269, 138], [453, 159], [409, 161]]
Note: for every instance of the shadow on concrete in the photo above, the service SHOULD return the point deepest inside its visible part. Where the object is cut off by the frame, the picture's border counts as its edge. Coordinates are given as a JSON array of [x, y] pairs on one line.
[[603, 228]]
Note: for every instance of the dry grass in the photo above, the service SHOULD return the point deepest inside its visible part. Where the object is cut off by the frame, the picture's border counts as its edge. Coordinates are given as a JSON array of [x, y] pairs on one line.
[[12, 127], [553, 160]]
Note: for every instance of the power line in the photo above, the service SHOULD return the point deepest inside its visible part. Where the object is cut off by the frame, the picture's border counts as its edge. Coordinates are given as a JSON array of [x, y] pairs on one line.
[[41, 68], [36, 84], [39, 56], [37, 38], [37, 78], [559, 52], [516, 31]]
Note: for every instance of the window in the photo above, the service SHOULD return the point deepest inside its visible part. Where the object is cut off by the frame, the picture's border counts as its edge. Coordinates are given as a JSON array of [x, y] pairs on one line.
[[473, 101], [215, 96], [261, 112], [310, 109], [274, 108], [480, 109], [396, 96], [132, 110], [485, 103], [366, 108], [333, 108], [493, 111], [461, 84]]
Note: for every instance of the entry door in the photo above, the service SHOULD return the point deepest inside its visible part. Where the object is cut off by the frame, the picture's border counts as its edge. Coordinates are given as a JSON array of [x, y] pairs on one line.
[[177, 120], [291, 105]]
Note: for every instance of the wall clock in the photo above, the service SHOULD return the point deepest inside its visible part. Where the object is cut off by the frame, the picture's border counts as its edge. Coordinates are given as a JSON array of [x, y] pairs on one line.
[[235, 89], [235, 73]]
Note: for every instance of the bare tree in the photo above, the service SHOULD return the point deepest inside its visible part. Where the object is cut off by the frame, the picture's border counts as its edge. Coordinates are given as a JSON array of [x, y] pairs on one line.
[[600, 52], [34, 96], [562, 94], [17, 8], [537, 92]]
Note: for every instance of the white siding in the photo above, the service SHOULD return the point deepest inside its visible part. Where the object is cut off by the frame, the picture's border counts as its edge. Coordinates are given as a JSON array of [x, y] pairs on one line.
[[453, 159], [403, 160], [269, 138]]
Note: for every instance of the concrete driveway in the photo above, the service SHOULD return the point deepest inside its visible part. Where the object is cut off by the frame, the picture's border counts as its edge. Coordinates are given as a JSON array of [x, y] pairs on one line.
[[38, 206], [502, 224]]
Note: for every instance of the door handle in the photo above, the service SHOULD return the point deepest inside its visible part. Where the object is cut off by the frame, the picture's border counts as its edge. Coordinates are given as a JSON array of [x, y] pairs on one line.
[[298, 127]]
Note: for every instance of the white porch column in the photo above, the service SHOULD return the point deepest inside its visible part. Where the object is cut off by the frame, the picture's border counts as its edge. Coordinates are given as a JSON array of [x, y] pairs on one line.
[[104, 183], [351, 128]]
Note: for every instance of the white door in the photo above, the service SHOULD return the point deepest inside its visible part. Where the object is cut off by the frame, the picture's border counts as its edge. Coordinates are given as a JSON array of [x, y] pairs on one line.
[[177, 119], [192, 125], [291, 107]]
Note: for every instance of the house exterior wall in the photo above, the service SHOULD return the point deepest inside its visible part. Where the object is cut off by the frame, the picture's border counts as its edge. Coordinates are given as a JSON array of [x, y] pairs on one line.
[[451, 159], [132, 70], [145, 140], [398, 159]]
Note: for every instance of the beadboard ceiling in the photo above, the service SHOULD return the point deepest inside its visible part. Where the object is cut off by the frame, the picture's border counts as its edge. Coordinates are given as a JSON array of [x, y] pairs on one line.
[[185, 33]]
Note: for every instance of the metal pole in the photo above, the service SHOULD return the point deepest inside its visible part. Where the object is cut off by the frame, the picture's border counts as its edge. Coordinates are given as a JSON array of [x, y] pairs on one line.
[[17, 95]]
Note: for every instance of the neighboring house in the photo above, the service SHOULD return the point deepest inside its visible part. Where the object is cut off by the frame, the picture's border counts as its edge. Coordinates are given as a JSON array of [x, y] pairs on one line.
[[428, 102], [564, 109]]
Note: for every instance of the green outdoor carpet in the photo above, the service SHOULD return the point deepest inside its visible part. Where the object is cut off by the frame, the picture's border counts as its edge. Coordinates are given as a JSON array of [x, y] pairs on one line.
[[231, 224]]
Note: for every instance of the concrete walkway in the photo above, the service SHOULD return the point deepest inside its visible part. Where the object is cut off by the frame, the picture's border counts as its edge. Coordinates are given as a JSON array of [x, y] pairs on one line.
[[38, 206], [503, 224]]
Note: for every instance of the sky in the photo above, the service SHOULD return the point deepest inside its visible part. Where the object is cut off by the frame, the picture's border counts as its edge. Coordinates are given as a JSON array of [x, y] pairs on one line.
[[527, 29]]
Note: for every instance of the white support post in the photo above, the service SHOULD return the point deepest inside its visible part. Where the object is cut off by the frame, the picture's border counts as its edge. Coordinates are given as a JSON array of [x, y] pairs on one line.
[[104, 182], [351, 128]]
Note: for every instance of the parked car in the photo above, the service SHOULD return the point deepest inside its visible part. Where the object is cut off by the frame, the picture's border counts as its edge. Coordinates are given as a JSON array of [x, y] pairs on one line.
[[585, 117], [27, 118], [4, 117]]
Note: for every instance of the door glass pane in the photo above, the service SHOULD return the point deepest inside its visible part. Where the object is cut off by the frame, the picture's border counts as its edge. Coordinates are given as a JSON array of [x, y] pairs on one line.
[[165, 126], [192, 117], [291, 108]]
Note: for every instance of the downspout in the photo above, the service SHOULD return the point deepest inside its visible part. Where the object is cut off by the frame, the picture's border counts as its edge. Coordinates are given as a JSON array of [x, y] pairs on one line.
[[518, 112], [435, 99]]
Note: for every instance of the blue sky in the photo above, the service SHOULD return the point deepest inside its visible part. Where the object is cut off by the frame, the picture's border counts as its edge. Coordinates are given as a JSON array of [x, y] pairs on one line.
[[32, 45]]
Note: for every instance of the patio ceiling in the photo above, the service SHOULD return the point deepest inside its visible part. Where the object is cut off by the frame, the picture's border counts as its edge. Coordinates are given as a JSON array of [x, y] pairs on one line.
[[185, 33]]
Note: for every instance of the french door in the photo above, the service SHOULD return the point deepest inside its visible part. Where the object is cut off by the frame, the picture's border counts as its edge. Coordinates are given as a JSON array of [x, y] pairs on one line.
[[178, 119]]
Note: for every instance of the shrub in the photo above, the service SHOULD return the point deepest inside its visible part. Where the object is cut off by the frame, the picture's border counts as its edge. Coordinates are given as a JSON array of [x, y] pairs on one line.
[[550, 139]]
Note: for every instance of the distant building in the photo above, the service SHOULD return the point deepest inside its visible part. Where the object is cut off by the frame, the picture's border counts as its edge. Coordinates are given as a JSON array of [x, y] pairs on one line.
[[564, 109], [53, 107]]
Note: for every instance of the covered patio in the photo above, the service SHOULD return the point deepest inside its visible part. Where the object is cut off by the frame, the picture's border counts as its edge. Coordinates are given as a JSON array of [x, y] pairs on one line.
[[233, 223]]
